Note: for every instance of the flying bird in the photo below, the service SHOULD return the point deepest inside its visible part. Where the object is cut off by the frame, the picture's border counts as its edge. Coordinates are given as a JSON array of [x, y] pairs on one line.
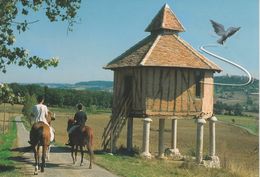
[[220, 30]]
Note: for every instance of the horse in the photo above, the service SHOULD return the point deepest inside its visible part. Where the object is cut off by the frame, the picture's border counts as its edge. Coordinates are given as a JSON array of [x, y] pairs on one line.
[[80, 137], [40, 136]]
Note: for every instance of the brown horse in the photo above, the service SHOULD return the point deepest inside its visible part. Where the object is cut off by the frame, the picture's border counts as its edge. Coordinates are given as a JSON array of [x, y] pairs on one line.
[[40, 136], [81, 137]]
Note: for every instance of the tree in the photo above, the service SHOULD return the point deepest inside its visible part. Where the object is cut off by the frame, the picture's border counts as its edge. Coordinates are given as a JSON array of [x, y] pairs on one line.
[[238, 109], [29, 101], [63, 10]]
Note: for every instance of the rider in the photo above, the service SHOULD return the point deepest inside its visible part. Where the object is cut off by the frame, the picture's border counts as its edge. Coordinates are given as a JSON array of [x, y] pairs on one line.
[[80, 119], [39, 113]]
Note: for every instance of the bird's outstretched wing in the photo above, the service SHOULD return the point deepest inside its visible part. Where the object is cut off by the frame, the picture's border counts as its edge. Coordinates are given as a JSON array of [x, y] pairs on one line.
[[218, 28], [232, 30]]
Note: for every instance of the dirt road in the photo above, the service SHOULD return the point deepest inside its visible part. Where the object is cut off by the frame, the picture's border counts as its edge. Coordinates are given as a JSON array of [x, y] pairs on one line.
[[60, 163]]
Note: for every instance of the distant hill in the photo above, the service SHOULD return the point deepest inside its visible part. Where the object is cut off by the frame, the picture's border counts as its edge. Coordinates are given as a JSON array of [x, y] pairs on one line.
[[108, 85], [96, 85], [246, 96], [251, 88], [88, 85]]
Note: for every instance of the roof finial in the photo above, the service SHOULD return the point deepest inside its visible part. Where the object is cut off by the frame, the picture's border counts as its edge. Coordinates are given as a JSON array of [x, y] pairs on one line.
[[165, 20], [166, 5]]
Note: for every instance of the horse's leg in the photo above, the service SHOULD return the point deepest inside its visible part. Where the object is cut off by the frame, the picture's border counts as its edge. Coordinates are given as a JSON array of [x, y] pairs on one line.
[[38, 156], [91, 154], [48, 153], [36, 160], [76, 153], [82, 155], [44, 149], [72, 154]]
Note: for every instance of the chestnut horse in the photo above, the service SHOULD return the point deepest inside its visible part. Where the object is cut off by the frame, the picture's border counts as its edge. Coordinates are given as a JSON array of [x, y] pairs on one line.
[[40, 136], [81, 137]]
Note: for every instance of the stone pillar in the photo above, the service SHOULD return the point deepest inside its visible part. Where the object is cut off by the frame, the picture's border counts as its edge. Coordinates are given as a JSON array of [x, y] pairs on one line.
[[174, 134], [213, 161], [199, 143], [146, 135], [212, 136], [129, 142], [174, 150], [161, 138]]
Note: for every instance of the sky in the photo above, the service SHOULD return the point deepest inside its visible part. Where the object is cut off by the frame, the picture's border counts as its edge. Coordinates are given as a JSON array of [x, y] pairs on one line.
[[108, 28]]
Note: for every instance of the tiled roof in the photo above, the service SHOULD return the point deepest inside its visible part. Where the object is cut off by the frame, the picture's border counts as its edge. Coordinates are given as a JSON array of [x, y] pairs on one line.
[[172, 51], [134, 55], [165, 19], [162, 51]]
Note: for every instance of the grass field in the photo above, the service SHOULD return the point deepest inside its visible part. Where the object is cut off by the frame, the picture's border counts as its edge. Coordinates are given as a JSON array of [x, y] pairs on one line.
[[249, 123], [237, 149]]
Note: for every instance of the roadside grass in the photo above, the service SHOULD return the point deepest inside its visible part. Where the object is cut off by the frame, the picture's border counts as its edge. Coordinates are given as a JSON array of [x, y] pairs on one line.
[[249, 123], [7, 166]]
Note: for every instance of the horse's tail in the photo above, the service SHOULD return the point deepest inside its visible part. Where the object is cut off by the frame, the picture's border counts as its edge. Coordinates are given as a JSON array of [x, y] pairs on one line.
[[36, 135]]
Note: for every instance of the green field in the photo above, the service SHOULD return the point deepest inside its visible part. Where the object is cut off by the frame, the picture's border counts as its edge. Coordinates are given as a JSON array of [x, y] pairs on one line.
[[251, 124]]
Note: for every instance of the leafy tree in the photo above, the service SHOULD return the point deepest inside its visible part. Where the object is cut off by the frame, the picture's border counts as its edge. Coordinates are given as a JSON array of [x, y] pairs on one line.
[[63, 10], [6, 94], [238, 109], [219, 107], [249, 100], [29, 101]]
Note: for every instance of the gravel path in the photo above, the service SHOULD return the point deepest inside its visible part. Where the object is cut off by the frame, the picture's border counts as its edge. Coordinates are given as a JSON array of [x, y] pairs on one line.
[[60, 163]]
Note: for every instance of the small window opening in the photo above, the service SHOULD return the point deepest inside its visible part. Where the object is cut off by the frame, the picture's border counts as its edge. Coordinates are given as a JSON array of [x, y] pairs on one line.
[[198, 79]]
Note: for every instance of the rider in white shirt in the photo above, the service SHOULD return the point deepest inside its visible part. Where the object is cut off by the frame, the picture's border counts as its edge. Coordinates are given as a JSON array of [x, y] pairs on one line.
[[40, 111]]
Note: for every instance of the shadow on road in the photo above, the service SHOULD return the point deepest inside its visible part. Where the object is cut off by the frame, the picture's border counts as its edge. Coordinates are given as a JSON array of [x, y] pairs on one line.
[[54, 149]]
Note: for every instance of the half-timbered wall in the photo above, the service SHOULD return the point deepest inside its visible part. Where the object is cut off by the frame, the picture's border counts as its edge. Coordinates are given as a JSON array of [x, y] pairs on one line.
[[164, 91], [171, 92]]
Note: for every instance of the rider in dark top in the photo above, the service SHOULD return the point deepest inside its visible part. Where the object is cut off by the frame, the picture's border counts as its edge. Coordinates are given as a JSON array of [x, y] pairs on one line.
[[80, 119]]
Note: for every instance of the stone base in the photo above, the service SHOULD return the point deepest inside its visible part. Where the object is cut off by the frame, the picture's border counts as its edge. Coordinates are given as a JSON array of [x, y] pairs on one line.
[[211, 162], [173, 154], [146, 155], [162, 157]]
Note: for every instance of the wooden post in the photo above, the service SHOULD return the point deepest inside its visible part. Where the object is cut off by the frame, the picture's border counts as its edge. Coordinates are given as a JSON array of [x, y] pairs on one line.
[[161, 138], [4, 121], [129, 134]]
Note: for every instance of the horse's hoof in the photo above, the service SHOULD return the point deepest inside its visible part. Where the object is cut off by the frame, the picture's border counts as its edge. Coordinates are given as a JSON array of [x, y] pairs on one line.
[[90, 167], [35, 173], [81, 164]]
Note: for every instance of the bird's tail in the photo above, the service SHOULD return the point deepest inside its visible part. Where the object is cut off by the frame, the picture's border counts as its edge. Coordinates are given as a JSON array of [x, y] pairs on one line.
[[221, 41]]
